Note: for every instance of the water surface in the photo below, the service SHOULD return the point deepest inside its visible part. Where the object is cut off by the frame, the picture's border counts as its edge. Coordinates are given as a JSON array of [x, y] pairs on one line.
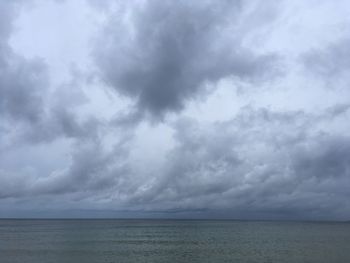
[[85, 241]]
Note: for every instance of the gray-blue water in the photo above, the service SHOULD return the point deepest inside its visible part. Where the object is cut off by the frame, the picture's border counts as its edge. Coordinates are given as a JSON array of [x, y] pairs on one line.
[[85, 241]]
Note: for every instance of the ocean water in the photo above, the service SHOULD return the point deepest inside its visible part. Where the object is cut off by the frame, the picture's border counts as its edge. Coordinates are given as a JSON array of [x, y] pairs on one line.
[[85, 241]]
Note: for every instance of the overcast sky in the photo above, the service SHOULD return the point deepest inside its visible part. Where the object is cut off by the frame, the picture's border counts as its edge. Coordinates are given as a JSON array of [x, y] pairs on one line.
[[181, 109]]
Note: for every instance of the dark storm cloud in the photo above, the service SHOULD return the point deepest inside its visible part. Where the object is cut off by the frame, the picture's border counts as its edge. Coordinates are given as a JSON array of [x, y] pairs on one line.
[[163, 53]]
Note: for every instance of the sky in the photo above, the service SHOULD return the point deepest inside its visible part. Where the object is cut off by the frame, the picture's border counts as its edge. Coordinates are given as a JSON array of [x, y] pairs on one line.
[[175, 109]]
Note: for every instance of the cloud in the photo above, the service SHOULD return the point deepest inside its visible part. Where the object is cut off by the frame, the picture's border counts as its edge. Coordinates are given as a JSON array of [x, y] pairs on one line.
[[261, 163], [162, 54], [21, 85], [153, 146], [22, 82], [30, 110], [330, 63]]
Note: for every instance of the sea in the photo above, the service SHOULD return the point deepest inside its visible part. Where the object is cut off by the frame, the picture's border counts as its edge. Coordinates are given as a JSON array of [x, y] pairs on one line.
[[152, 241]]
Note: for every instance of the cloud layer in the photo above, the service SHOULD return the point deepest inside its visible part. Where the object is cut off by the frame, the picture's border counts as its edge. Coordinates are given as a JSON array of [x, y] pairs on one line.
[[175, 109]]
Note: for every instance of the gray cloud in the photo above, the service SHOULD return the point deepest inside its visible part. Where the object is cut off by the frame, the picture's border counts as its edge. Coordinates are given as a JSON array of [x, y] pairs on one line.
[[71, 147], [22, 82], [21, 85], [163, 53], [31, 113], [262, 162], [330, 63], [28, 111]]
